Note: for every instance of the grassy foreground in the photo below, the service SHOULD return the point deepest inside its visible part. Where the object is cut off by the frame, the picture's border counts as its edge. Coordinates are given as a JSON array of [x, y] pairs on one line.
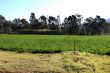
[[65, 62], [55, 43]]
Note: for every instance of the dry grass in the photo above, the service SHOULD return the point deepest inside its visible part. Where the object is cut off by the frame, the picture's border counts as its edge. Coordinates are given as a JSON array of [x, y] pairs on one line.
[[65, 62]]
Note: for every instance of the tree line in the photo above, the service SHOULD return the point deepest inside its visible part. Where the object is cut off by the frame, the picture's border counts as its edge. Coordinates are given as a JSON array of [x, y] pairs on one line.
[[73, 24]]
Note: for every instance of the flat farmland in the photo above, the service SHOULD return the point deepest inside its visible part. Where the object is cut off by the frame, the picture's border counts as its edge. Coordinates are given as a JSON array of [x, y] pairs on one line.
[[55, 43]]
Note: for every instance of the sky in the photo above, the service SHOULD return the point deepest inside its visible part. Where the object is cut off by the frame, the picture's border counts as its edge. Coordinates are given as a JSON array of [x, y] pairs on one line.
[[11, 9]]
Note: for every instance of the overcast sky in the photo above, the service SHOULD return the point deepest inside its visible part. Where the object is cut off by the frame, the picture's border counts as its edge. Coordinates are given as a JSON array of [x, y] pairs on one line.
[[22, 8]]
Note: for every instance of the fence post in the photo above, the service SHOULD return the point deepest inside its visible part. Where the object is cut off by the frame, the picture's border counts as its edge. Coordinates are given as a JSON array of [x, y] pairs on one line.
[[74, 47]]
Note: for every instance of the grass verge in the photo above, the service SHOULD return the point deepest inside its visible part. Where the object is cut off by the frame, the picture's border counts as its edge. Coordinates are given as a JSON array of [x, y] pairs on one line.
[[65, 62]]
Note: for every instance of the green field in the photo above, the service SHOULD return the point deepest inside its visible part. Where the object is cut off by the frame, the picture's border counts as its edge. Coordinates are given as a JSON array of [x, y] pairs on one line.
[[55, 43]]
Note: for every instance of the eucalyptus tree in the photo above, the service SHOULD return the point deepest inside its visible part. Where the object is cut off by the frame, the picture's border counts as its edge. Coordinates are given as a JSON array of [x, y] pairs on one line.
[[25, 24], [2, 21], [71, 24], [43, 21], [33, 21], [52, 23]]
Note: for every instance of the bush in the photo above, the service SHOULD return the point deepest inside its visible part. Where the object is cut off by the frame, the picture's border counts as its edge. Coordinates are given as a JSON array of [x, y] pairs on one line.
[[108, 53], [40, 32]]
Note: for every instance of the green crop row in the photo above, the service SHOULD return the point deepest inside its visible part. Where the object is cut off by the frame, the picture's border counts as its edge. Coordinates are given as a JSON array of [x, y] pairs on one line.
[[55, 43]]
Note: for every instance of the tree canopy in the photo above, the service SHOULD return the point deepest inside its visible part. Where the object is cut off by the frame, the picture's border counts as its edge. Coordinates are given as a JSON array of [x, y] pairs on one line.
[[72, 24]]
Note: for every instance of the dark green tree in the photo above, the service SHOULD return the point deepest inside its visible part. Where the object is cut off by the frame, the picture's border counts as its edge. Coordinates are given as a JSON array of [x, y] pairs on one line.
[[94, 25], [25, 24], [34, 22], [73, 24], [52, 20], [7, 26], [43, 21], [2, 21]]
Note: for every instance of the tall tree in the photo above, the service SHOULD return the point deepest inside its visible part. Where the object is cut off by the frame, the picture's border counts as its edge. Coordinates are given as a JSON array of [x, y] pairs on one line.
[[33, 21], [51, 19], [25, 24], [100, 24], [43, 21], [16, 24], [73, 23], [2, 21], [52, 24], [43, 18], [7, 26], [94, 25]]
